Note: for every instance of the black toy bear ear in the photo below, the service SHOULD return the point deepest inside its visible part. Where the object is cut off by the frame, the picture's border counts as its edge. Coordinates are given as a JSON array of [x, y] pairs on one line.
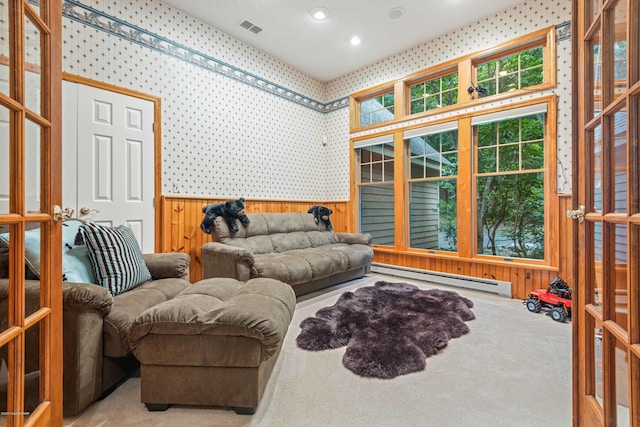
[[241, 199], [227, 204], [330, 211]]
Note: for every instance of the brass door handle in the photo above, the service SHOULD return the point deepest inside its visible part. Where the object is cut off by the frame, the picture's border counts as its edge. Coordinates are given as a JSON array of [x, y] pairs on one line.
[[577, 214], [60, 214]]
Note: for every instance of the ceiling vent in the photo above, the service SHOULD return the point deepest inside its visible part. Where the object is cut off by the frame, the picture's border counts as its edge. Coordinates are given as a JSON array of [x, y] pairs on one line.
[[248, 25]]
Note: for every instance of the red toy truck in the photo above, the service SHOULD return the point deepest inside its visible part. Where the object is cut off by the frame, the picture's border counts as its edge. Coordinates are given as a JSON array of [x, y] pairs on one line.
[[557, 298]]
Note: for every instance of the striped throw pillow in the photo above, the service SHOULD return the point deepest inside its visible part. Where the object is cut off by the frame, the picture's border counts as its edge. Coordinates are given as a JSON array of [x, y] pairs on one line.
[[115, 257]]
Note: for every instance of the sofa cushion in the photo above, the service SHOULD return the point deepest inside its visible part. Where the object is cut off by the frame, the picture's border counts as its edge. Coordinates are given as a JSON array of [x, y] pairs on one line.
[[128, 305], [283, 242], [268, 232], [303, 265], [115, 256], [222, 322]]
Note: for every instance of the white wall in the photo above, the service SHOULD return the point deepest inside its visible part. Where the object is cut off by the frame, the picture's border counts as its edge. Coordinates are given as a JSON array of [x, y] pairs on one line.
[[237, 122]]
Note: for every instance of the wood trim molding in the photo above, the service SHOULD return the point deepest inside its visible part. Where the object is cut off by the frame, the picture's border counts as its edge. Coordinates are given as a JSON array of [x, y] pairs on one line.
[[157, 135]]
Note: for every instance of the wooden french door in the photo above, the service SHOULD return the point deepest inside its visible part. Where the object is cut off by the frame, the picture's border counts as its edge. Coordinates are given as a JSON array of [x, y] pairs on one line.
[[30, 185], [606, 110]]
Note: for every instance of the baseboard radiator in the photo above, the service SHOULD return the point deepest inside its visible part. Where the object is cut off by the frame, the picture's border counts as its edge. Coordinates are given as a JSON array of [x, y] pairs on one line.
[[494, 286]]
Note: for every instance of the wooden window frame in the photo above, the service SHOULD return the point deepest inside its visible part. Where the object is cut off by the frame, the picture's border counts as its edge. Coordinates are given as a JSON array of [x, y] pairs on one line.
[[466, 67], [551, 257], [438, 74], [356, 99]]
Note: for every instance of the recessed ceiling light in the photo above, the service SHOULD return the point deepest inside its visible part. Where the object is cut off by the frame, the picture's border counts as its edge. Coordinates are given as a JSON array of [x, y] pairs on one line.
[[396, 12], [319, 13], [355, 40]]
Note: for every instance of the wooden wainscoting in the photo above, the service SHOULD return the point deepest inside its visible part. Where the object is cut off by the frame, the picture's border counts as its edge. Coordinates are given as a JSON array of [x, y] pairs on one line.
[[181, 217], [523, 278]]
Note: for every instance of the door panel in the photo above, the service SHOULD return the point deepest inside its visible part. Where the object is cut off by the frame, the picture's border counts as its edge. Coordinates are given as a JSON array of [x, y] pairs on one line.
[[607, 167], [114, 170], [30, 141]]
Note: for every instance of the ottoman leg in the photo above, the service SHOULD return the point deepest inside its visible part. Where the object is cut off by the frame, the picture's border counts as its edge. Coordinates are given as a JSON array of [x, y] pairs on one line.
[[243, 410], [156, 406]]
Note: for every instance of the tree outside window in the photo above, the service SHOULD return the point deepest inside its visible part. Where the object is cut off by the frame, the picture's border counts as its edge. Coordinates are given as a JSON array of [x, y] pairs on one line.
[[510, 187], [520, 70], [434, 93]]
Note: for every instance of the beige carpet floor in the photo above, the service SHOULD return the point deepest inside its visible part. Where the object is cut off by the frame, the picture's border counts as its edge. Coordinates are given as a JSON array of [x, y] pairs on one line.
[[512, 369]]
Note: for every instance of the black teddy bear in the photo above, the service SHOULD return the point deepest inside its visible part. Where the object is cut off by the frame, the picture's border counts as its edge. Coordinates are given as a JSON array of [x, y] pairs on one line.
[[229, 210], [321, 213]]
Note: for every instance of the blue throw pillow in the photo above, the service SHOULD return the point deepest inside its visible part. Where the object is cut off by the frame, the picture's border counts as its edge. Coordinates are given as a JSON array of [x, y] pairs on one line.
[[76, 266], [115, 256]]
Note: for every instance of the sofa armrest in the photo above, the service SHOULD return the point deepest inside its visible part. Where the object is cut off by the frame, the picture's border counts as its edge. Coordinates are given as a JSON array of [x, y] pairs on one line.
[[220, 260], [168, 265], [84, 309], [353, 238], [86, 296]]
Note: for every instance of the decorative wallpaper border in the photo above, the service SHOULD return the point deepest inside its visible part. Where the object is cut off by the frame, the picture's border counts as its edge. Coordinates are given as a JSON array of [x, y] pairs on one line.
[[110, 24], [563, 31], [134, 34]]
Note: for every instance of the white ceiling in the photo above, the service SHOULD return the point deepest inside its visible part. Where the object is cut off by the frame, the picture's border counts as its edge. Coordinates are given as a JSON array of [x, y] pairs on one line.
[[322, 49]]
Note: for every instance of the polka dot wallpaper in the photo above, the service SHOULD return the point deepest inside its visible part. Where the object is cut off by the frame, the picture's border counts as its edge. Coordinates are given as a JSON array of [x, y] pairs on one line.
[[237, 122]]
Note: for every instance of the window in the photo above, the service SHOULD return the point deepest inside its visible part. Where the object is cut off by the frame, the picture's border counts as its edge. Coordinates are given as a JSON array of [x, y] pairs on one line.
[[434, 93], [528, 63], [474, 178], [376, 194], [516, 71], [433, 169], [509, 184], [377, 110]]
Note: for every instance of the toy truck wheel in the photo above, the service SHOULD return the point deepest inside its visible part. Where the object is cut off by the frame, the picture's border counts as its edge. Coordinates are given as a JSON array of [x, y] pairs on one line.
[[558, 314], [533, 305]]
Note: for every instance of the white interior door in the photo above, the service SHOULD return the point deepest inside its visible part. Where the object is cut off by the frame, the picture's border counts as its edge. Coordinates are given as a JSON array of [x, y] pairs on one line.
[[113, 157]]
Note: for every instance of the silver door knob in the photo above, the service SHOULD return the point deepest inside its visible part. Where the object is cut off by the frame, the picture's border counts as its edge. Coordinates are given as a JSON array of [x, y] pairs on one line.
[[86, 211]]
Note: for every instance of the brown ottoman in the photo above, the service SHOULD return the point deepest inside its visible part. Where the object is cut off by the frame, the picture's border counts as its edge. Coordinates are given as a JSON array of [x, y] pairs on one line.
[[214, 344]]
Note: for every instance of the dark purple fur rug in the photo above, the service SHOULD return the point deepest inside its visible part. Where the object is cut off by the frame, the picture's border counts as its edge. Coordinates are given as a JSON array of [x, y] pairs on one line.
[[389, 328]]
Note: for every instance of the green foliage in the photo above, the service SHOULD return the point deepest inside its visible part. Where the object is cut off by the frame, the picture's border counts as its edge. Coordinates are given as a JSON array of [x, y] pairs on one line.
[[512, 72], [510, 207], [447, 207], [435, 93]]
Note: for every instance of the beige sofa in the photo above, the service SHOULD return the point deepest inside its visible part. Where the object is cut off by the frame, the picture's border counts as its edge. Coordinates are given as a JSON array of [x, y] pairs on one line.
[[96, 330], [289, 247]]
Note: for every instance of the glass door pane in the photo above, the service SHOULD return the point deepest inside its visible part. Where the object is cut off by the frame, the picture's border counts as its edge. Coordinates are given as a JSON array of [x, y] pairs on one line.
[[4, 47], [597, 168], [32, 152], [620, 159], [619, 56], [596, 263], [620, 293], [4, 160], [596, 82], [33, 65]]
